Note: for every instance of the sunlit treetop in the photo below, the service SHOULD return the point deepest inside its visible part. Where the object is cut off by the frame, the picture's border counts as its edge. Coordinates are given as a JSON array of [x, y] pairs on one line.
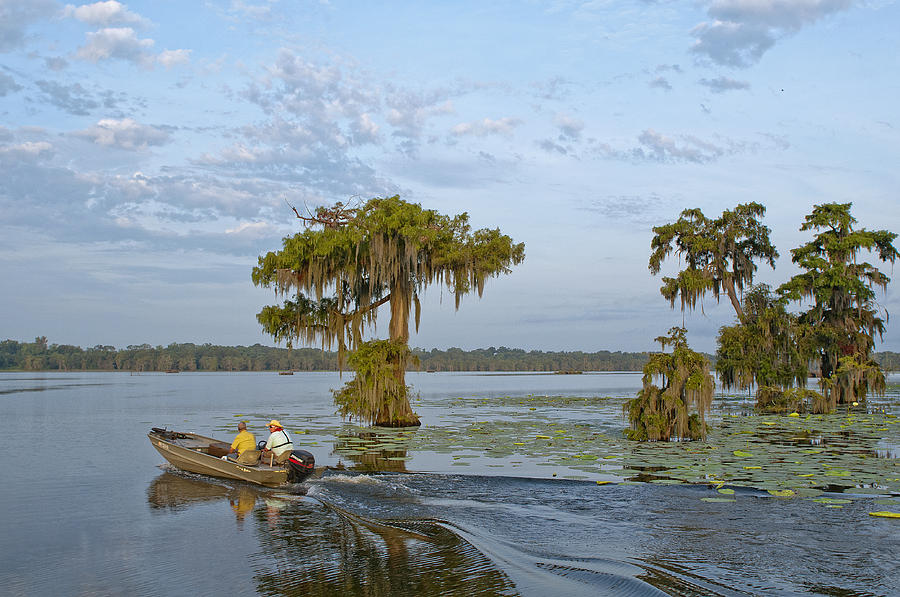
[[718, 255], [350, 260]]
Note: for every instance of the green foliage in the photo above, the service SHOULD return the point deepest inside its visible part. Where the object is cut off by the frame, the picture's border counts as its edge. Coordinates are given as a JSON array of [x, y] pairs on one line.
[[843, 313], [350, 261], [718, 255], [662, 413], [377, 395], [768, 347], [853, 379], [776, 399], [388, 250]]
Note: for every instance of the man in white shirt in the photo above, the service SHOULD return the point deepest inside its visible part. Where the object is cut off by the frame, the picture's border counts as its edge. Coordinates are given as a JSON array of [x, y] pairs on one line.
[[278, 445]]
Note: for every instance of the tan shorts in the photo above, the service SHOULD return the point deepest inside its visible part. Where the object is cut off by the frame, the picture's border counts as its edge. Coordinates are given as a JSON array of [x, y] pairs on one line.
[[267, 457], [248, 457]]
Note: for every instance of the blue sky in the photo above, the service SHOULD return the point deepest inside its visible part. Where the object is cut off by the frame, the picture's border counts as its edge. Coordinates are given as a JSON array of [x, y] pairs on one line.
[[147, 148]]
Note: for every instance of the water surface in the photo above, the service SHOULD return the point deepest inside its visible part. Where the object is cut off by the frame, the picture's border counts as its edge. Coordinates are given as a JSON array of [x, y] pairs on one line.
[[91, 508]]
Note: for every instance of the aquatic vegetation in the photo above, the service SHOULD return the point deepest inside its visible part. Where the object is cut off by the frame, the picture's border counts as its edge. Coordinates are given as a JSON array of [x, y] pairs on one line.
[[856, 451], [664, 413], [376, 394]]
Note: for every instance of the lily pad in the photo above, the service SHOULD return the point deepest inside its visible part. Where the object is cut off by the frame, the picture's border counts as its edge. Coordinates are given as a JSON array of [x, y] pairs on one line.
[[825, 500], [782, 493]]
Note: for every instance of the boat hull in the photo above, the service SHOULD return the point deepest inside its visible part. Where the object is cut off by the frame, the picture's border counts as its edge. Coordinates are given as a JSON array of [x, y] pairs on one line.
[[185, 451]]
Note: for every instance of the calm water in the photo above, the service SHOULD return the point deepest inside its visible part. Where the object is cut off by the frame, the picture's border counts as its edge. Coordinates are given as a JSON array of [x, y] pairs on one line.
[[90, 509]]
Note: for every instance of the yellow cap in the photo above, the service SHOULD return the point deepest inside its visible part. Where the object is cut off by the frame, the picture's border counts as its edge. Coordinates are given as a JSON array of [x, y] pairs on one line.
[[273, 422]]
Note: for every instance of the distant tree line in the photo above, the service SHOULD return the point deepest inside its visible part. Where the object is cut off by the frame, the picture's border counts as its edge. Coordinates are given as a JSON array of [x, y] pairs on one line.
[[42, 356], [516, 359]]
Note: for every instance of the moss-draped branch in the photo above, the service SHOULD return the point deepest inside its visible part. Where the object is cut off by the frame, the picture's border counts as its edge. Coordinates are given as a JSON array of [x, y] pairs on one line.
[[389, 250], [719, 255], [662, 413], [843, 313], [351, 260]]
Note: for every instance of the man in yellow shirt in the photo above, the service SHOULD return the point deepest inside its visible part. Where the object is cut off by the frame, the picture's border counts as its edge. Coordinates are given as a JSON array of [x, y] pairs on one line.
[[243, 441]]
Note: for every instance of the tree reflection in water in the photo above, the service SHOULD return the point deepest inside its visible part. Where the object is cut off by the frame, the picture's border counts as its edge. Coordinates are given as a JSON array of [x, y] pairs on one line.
[[319, 549], [311, 547], [372, 451]]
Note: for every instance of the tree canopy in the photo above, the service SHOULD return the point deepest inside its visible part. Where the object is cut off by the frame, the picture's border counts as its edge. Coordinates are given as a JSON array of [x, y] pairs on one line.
[[351, 260], [843, 312], [719, 255], [768, 348]]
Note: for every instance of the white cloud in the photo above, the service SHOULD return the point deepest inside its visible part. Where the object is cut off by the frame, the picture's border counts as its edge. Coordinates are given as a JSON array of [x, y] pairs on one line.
[[659, 147], [27, 149], [74, 98], [56, 63], [124, 134], [741, 31], [409, 115], [661, 83], [244, 10], [551, 146], [8, 85], [252, 230], [170, 58], [569, 128], [17, 15], [723, 84], [115, 42], [104, 14], [364, 130], [486, 126], [778, 14]]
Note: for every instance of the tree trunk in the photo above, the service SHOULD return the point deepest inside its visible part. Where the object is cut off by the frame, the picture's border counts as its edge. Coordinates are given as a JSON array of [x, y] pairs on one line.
[[399, 332], [728, 283]]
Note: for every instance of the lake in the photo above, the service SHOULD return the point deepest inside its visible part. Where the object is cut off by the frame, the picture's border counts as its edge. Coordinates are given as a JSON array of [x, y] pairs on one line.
[[515, 485]]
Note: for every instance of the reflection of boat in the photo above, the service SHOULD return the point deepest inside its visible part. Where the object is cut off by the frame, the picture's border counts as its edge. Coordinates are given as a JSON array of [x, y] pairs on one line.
[[198, 454], [171, 491]]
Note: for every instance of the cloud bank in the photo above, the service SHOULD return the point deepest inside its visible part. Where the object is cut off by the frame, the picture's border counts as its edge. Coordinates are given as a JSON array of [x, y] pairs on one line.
[[739, 32]]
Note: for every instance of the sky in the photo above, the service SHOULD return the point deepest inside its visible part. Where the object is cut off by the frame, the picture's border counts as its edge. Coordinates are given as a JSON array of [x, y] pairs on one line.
[[149, 151]]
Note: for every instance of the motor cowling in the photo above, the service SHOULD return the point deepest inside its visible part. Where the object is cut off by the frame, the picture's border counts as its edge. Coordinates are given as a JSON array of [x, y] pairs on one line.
[[301, 465]]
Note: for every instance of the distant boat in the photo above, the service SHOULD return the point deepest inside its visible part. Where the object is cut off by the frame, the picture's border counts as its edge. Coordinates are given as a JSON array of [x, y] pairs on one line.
[[569, 372], [285, 373], [172, 371]]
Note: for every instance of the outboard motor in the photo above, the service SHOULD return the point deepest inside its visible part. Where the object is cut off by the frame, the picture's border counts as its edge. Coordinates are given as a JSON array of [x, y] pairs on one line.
[[301, 464]]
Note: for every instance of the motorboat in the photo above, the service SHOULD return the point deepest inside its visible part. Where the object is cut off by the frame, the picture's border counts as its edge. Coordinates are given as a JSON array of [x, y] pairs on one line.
[[204, 455]]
